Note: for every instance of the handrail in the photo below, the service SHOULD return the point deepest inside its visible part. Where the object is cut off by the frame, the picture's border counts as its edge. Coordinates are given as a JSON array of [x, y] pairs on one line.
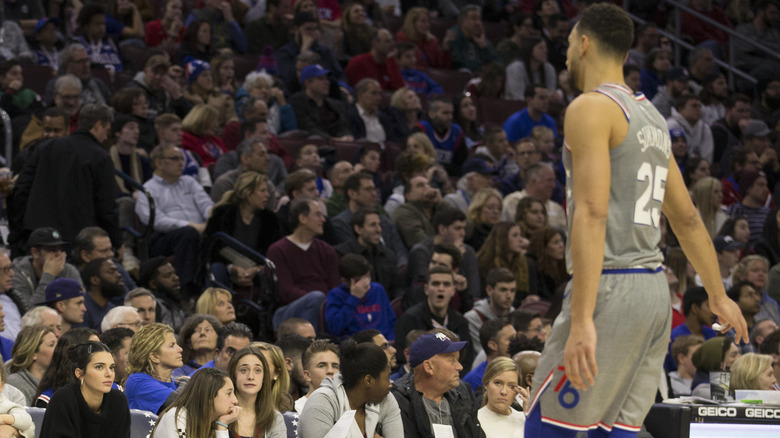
[[9, 138], [152, 209], [678, 42], [247, 251]]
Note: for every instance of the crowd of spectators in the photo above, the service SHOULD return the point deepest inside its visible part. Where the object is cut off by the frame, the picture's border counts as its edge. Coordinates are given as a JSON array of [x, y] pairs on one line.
[[417, 234]]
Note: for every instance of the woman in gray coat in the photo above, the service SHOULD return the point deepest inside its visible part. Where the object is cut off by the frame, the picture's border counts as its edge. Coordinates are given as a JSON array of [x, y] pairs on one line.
[[30, 358], [363, 386]]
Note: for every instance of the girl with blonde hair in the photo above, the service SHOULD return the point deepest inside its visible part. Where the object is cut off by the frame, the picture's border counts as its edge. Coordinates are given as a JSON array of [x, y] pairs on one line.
[[30, 358], [483, 213], [501, 383], [416, 29], [277, 369], [707, 196]]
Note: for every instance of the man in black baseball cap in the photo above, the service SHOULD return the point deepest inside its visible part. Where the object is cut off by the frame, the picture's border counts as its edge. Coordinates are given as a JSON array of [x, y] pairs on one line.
[[45, 262]]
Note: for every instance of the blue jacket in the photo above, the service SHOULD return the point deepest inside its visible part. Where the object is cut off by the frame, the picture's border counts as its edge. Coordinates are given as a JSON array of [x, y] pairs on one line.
[[420, 82], [346, 315]]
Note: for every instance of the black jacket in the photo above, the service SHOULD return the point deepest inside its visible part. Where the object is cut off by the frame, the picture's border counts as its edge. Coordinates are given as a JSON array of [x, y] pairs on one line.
[[420, 317], [68, 415], [463, 409], [307, 113], [393, 132], [68, 184], [223, 218]]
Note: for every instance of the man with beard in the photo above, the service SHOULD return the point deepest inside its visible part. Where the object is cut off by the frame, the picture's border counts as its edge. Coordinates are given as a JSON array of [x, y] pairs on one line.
[[292, 347], [103, 282], [615, 224], [159, 276], [726, 132], [446, 136], [766, 105], [413, 219]]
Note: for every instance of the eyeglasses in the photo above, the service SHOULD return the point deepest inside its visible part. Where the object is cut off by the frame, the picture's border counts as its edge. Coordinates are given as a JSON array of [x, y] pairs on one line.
[[176, 158], [6, 269]]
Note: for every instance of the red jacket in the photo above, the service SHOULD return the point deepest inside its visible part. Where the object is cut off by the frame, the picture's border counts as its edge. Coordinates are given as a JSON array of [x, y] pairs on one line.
[[429, 53], [364, 66], [155, 34], [207, 148]]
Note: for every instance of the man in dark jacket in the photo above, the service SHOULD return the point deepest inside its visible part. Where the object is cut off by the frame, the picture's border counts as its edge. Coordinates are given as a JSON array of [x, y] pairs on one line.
[[367, 120], [432, 396], [436, 312], [315, 111], [69, 182]]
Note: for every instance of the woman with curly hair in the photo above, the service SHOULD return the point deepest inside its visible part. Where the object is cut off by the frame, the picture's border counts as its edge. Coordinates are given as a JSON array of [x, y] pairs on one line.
[[357, 30], [549, 250], [417, 29], [505, 247], [153, 356]]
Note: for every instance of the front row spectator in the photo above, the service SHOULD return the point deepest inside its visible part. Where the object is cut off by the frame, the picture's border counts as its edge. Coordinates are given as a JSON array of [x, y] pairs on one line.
[[153, 356], [205, 404], [432, 393], [306, 267], [682, 353], [31, 357], [59, 373], [364, 380], [320, 360], [754, 372], [249, 370], [198, 340], [88, 407], [497, 417], [358, 303]]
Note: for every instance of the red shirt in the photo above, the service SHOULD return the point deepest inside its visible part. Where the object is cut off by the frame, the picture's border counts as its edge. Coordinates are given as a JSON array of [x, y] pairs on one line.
[[429, 53], [364, 66], [208, 148], [155, 34]]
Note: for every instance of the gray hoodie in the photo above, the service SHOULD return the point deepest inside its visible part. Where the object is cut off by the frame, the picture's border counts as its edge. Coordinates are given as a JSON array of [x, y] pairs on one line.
[[329, 403]]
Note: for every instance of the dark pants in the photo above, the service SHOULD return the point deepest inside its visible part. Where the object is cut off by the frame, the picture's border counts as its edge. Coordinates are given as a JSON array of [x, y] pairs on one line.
[[184, 245]]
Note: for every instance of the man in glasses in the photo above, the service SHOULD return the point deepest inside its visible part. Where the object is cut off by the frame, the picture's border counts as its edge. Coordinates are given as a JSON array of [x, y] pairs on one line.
[[182, 209]]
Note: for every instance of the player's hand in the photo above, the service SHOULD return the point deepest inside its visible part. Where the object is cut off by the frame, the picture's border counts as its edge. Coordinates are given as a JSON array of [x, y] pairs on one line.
[[579, 355], [730, 316]]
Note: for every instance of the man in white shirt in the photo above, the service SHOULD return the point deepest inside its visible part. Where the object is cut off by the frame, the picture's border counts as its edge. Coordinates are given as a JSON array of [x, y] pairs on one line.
[[182, 209]]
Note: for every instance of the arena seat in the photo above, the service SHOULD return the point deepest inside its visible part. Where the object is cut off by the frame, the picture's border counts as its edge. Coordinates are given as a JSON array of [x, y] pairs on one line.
[[245, 64], [495, 32], [495, 111], [141, 423], [292, 144], [134, 57], [348, 150], [451, 81], [36, 77], [439, 27]]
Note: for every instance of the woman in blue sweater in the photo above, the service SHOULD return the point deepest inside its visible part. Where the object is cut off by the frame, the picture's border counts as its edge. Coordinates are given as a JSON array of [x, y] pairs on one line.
[[358, 304]]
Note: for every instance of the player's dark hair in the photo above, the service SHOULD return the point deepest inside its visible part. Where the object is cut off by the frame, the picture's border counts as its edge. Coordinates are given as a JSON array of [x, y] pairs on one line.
[[610, 25]]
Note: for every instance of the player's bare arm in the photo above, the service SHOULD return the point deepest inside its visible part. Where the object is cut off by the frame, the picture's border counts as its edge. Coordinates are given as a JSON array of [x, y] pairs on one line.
[[697, 245], [592, 126]]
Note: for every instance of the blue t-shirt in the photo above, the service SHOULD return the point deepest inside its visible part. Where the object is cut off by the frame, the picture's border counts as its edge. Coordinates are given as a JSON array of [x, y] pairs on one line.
[[209, 364], [683, 330], [520, 124], [147, 393], [474, 377], [346, 314]]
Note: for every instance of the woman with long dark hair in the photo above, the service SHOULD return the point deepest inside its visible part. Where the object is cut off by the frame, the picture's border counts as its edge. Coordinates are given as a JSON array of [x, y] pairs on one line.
[[196, 43], [363, 385], [206, 408], [532, 69], [548, 247], [505, 247], [252, 380], [59, 373], [89, 407]]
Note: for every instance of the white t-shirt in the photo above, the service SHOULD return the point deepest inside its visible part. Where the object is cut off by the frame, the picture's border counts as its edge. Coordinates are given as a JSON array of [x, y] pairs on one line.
[[501, 426]]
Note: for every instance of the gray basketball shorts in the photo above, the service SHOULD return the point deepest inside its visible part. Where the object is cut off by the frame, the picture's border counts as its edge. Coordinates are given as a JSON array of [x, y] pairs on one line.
[[633, 319]]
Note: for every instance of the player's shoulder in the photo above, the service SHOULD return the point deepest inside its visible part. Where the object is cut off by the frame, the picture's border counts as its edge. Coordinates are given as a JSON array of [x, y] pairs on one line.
[[592, 101]]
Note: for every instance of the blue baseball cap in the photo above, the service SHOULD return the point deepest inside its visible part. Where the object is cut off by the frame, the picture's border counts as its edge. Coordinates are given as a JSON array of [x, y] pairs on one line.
[[677, 133], [62, 289], [194, 68], [312, 71], [429, 345], [44, 21]]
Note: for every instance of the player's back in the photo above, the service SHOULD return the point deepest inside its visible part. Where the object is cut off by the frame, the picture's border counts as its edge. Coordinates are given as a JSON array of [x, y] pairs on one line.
[[639, 166]]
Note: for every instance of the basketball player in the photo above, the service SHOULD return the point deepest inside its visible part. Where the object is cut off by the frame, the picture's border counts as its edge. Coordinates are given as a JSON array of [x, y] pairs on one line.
[[620, 176]]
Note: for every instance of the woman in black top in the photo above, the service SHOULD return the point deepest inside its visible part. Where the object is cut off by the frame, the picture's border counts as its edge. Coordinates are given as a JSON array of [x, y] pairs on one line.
[[89, 407]]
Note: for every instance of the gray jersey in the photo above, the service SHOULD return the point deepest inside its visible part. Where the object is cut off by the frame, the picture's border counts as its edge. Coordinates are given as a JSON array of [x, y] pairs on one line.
[[639, 166]]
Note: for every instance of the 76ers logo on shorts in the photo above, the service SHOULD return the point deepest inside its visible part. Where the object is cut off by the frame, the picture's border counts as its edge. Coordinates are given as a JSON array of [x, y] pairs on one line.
[[568, 397]]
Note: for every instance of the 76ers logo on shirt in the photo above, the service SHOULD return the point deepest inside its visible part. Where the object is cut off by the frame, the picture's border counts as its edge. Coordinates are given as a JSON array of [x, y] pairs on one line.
[[568, 397]]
